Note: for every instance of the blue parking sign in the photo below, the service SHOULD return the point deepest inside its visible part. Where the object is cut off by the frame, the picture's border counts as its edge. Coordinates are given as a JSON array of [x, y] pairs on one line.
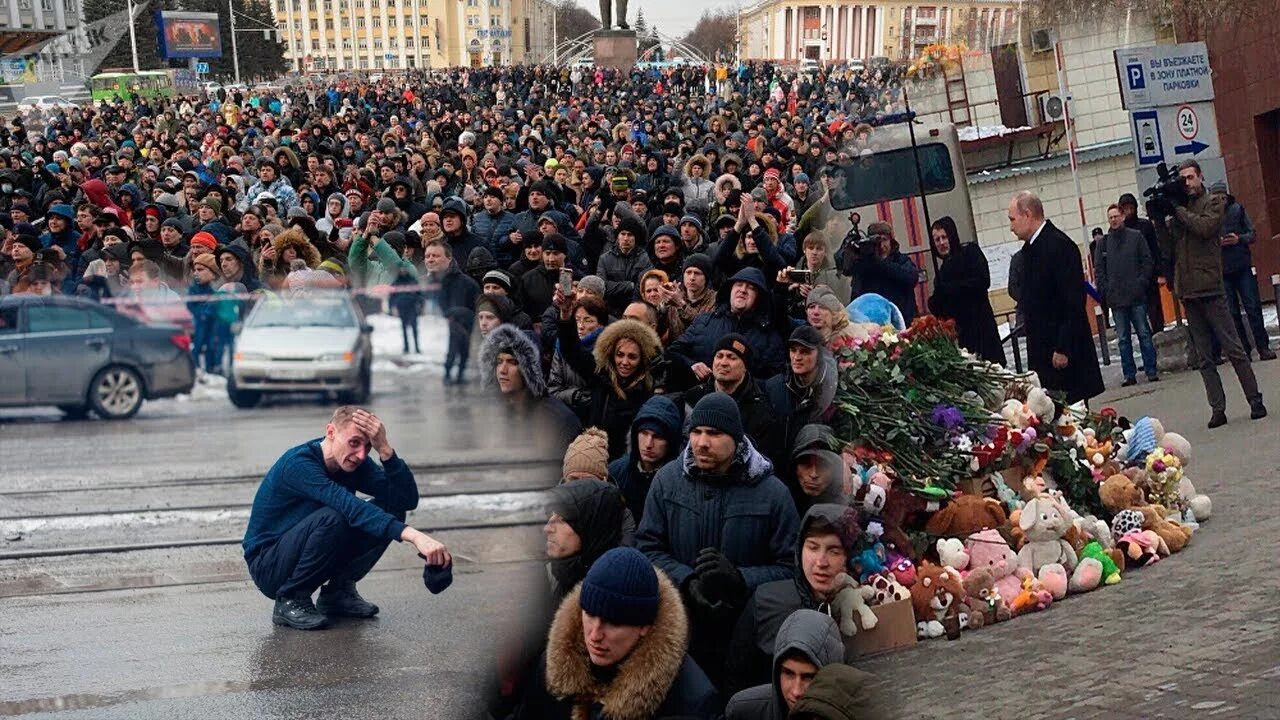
[[1137, 78]]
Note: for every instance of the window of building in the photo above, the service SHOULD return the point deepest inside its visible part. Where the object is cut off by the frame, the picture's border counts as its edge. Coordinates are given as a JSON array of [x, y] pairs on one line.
[[494, 21], [297, 26], [377, 44], [315, 44], [328, 23], [473, 3], [391, 21], [363, 45], [495, 3], [315, 24], [328, 6], [360, 22], [330, 46], [364, 63], [377, 21], [408, 43], [46, 5], [473, 21]]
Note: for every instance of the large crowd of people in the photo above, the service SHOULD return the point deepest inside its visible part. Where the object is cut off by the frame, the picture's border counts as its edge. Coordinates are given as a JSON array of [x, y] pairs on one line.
[[652, 263]]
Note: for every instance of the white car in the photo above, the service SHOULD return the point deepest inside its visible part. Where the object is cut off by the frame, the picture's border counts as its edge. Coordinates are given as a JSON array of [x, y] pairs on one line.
[[44, 102], [211, 87], [808, 64], [585, 62]]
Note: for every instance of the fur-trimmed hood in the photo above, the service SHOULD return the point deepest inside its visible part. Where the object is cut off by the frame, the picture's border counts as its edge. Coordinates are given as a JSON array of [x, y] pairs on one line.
[[627, 329], [724, 184], [296, 238], [699, 159], [643, 679], [510, 339]]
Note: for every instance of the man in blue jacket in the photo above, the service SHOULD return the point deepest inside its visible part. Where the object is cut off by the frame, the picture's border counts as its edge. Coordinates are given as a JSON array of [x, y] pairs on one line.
[[308, 529], [745, 309], [719, 523], [655, 440]]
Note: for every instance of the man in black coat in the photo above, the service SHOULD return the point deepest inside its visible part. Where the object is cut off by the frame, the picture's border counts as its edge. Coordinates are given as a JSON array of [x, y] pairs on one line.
[[457, 298], [1059, 340]]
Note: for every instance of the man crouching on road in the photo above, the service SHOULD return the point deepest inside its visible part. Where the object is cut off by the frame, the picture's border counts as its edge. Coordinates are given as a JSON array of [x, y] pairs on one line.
[[308, 528]]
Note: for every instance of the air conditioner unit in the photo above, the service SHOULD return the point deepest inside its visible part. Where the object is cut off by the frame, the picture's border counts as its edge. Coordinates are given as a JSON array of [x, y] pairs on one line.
[[1042, 40], [1053, 107]]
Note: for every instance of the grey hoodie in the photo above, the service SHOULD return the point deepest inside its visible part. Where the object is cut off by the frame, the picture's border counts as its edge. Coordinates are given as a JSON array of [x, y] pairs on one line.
[[808, 632], [326, 221]]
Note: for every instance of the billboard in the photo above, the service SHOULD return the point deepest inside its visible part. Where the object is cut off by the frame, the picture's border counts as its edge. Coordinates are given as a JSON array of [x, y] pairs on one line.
[[188, 35]]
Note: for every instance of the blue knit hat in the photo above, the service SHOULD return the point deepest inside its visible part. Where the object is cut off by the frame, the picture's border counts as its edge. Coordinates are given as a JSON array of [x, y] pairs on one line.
[[720, 412], [621, 588], [1142, 442]]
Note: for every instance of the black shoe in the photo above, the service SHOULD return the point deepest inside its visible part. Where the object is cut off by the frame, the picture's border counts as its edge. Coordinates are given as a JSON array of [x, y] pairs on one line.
[[343, 600], [1257, 411], [1267, 354], [299, 614], [1154, 379], [1218, 420], [1129, 382], [1219, 360]]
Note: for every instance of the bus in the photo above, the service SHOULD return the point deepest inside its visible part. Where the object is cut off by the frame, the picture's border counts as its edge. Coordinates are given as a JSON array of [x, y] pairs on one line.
[[148, 84], [882, 184]]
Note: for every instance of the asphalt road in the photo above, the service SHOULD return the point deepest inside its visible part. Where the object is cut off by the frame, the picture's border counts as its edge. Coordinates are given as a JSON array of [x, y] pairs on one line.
[[172, 627]]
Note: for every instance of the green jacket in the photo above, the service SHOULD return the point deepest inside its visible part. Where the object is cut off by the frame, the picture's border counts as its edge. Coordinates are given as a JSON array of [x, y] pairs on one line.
[[1190, 237], [838, 692], [384, 269]]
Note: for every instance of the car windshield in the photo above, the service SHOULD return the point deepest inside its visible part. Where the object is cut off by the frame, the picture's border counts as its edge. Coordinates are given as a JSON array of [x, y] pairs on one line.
[[308, 311]]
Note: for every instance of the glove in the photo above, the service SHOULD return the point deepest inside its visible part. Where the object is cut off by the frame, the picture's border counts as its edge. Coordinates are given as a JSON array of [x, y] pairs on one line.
[[717, 579]]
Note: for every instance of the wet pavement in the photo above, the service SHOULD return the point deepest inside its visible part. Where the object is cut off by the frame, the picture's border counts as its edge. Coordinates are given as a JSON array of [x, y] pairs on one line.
[[124, 594]]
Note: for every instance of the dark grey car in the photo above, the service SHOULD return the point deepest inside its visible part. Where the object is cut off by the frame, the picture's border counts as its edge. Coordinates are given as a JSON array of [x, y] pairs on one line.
[[82, 356]]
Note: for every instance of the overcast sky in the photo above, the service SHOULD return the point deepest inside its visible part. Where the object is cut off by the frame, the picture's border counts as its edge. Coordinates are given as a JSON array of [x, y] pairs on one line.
[[673, 17]]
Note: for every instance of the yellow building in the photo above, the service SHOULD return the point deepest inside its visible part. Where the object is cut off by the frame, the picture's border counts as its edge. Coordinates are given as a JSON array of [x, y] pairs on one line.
[[371, 35], [839, 30]]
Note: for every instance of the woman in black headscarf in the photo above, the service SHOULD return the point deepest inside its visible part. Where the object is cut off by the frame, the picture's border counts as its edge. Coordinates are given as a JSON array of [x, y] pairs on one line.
[[960, 291]]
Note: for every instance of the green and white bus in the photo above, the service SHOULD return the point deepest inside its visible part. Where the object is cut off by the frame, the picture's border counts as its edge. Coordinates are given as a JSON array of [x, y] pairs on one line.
[[147, 84]]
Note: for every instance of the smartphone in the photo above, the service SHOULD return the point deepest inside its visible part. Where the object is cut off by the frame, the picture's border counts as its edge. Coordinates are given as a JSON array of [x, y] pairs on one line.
[[804, 277], [566, 282]]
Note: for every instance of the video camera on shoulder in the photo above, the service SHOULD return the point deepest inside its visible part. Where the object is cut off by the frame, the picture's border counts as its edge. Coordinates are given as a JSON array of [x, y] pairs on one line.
[[1168, 192]]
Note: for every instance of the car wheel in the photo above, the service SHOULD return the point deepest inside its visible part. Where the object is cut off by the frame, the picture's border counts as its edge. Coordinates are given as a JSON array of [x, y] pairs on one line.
[[361, 392], [244, 399], [116, 393], [74, 412]]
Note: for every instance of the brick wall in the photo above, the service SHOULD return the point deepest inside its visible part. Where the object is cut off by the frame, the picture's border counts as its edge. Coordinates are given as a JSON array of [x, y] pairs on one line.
[[1246, 70]]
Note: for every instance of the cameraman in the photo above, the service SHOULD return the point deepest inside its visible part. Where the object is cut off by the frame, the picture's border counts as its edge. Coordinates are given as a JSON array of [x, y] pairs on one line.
[[1187, 220], [877, 266]]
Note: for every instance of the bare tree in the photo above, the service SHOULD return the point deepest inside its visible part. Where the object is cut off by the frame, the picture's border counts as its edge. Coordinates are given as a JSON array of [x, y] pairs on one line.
[[573, 20], [714, 33], [1198, 16]]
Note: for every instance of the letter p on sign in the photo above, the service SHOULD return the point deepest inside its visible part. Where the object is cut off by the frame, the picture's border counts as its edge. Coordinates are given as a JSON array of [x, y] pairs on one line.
[[1137, 79]]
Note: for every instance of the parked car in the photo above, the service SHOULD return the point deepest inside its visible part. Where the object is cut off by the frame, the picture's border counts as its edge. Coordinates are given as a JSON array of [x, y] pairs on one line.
[[81, 356], [44, 102], [317, 342]]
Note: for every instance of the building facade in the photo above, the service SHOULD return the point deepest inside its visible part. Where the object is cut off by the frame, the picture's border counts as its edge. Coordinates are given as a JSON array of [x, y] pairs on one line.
[[373, 35], [838, 30], [52, 31]]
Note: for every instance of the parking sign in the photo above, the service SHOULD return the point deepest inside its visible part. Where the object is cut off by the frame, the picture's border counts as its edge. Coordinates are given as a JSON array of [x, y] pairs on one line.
[[1137, 78]]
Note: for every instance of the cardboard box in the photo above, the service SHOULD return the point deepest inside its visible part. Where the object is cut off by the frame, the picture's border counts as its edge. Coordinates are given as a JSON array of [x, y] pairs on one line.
[[895, 628]]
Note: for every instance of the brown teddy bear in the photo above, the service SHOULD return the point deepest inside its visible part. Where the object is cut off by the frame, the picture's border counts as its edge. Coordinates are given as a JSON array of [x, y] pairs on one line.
[[966, 515], [935, 598], [1175, 535], [982, 601], [1119, 492]]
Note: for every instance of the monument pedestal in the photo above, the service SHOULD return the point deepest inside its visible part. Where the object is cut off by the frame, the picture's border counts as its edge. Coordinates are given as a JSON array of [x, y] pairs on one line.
[[615, 49]]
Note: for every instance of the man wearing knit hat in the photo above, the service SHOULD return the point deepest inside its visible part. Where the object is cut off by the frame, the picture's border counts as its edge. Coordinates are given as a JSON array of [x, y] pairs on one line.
[[625, 260], [730, 375], [777, 198], [495, 226], [717, 565], [617, 649]]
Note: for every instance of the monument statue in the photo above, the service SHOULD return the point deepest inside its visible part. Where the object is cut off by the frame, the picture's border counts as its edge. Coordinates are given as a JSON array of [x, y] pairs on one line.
[[606, 18]]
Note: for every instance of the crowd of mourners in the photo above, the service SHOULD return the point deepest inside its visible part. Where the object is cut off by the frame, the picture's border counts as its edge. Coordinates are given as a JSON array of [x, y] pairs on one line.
[[652, 262]]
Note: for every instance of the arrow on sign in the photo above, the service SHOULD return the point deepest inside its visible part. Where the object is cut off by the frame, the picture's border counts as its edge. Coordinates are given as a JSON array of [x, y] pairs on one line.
[[1195, 147]]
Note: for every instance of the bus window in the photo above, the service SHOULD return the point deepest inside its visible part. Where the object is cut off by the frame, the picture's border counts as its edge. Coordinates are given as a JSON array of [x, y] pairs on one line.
[[891, 175]]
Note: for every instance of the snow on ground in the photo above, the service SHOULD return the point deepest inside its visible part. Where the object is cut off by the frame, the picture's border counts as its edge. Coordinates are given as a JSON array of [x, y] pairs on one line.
[[968, 134], [207, 387], [388, 345]]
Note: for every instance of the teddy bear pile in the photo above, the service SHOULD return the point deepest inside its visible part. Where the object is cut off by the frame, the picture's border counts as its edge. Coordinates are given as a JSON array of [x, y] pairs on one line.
[[1058, 501]]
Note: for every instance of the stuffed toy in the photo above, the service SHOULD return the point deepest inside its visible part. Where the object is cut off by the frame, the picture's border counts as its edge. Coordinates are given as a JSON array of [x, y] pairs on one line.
[[1041, 405], [1110, 561], [1019, 417], [852, 598], [903, 509], [873, 309], [1178, 446], [935, 598], [988, 549], [1197, 507], [965, 515], [869, 562], [1140, 440], [1119, 493], [952, 553], [983, 601], [1172, 534], [886, 589], [1032, 597], [1043, 525], [1053, 577], [1125, 522], [904, 571], [1141, 548]]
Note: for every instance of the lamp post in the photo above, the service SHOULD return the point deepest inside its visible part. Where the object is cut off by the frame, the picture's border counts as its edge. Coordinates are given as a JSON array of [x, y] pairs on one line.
[[133, 38]]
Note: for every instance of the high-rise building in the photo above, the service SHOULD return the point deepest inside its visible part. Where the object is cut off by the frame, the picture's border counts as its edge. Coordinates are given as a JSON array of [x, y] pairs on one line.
[[370, 35], [837, 30]]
